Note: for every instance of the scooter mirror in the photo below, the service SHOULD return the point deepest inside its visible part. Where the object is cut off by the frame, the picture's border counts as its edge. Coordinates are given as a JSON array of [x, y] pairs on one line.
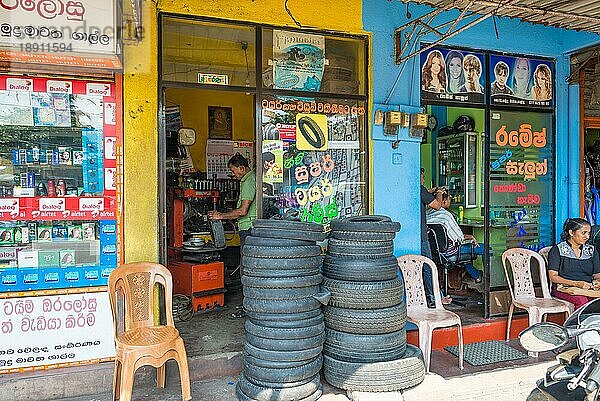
[[543, 337]]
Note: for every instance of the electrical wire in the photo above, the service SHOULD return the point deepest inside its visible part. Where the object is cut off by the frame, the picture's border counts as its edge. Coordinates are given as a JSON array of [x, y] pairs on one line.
[[393, 88], [245, 49], [290, 14]]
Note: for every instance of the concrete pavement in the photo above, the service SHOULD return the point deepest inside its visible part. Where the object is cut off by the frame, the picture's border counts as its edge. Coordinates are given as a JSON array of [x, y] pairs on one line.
[[499, 385]]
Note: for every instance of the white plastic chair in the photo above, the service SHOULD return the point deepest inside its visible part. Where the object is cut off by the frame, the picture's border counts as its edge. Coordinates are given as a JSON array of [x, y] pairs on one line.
[[544, 252], [522, 293], [417, 312]]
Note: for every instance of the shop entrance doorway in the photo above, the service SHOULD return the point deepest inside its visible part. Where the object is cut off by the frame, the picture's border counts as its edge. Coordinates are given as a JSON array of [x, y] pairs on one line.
[[203, 130], [452, 157], [230, 87]]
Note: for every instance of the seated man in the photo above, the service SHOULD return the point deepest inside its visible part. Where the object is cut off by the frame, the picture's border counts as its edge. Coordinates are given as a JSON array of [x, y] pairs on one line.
[[455, 235]]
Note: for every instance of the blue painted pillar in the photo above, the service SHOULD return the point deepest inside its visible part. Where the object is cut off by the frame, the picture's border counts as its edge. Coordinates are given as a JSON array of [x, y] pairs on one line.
[[574, 174]]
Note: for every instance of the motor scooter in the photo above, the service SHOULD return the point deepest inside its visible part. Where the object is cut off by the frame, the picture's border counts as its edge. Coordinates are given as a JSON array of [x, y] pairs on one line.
[[577, 374]]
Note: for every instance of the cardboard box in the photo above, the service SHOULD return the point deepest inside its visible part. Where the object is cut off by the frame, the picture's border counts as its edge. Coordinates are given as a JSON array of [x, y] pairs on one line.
[[337, 86], [65, 156], [59, 233], [89, 231], [78, 157], [75, 233]]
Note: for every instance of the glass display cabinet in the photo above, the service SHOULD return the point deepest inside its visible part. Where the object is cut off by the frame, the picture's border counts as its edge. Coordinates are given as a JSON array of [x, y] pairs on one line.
[[457, 167], [57, 183]]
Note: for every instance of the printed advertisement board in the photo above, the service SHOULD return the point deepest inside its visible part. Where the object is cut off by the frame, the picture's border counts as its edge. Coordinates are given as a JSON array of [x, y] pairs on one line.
[[453, 75], [55, 331], [521, 81], [311, 158], [59, 194], [58, 26], [299, 60]]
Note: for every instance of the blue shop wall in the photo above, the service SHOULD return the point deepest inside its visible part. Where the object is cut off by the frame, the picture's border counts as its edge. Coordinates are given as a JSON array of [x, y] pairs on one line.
[[396, 186]]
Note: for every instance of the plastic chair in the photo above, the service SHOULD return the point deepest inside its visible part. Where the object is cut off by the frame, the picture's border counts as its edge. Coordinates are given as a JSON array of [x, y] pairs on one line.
[[417, 312], [138, 340], [544, 252], [522, 293]]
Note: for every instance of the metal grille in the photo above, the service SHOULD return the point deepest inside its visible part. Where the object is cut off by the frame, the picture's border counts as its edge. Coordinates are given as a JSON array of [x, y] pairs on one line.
[[568, 14]]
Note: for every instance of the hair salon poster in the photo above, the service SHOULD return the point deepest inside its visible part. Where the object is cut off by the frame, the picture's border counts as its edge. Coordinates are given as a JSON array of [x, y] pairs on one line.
[[452, 75], [521, 81]]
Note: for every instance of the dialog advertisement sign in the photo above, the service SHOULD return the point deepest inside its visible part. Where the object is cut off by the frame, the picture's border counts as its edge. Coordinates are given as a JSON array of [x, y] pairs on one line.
[[58, 182], [58, 26], [53, 331]]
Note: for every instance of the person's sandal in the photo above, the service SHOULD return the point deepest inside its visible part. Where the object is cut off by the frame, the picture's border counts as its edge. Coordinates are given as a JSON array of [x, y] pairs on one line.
[[447, 300]]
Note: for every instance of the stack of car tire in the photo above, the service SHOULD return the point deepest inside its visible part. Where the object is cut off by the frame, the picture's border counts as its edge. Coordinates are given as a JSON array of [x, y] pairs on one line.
[[365, 347], [284, 326]]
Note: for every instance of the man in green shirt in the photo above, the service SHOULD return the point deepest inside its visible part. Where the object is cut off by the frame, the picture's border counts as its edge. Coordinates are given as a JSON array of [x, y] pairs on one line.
[[245, 211]]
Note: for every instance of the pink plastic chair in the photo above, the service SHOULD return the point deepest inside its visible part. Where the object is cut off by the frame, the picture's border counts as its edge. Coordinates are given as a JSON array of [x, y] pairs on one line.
[[522, 292], [417, 312]]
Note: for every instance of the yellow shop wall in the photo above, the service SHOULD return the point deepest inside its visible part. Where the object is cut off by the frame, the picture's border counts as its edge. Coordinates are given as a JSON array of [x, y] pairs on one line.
[[194, 114], [140, 96]]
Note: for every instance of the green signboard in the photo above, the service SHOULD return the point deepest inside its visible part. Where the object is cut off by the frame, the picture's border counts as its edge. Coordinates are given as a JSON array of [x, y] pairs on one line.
[[521, 185]]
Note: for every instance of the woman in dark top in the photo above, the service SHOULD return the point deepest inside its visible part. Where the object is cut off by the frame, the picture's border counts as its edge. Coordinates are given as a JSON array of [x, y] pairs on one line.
[[573, 262]]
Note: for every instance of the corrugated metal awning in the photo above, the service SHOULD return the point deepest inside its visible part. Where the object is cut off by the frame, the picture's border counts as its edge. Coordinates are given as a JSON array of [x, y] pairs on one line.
[[579, 15]]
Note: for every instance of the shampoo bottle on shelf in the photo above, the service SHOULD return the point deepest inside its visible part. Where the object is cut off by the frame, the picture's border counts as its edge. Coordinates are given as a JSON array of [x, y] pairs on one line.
[[42, 190], [51, 188]]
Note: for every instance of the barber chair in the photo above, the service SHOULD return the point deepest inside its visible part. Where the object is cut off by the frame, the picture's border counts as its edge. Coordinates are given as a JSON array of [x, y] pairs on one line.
[[439, 243]]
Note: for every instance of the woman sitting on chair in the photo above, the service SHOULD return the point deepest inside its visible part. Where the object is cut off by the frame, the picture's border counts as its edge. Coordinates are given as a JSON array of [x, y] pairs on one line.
[[573, 262]]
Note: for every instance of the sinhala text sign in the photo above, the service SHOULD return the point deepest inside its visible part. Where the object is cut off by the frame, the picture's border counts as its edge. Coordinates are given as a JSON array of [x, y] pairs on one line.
[[521, 185], [55, 330], [58, 26]]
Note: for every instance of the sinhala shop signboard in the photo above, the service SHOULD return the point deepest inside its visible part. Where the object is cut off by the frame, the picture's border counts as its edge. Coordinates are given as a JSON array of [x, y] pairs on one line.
[[55, 331], [58, 26]]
